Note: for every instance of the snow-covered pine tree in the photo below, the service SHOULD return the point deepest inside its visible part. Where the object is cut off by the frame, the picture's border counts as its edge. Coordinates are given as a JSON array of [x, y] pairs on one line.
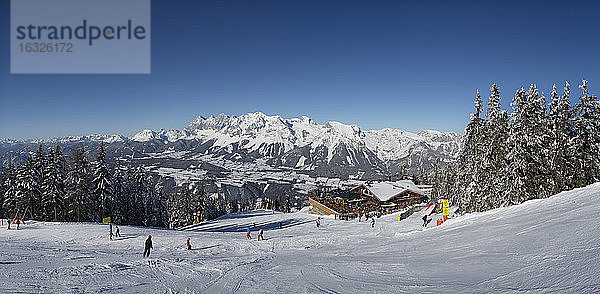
[[2, 191], [179, 208], [102, 186], [137, 196], [78, 181], [587, 138], [470, 184], [163, 202], [120, 204], [527, 173], [38, 163], [173, 208], [493, 161], [198, 204], [53, 188], [436, 177], [9, 182], [561, 129], [134, 207], [150, 201], [60, 165], [27, 189], [449, 182]]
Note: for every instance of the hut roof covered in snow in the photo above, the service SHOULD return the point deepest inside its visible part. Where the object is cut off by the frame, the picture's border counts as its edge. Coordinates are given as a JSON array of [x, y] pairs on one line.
[[385, 191]]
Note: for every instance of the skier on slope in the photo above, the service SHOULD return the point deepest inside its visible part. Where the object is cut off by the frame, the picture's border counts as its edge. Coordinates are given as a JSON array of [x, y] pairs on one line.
[[110, 233], [148, 246], [318, 222], [248, 236], [372, 222], [117, 233], [425, 221], [260, 234], [189, 246]]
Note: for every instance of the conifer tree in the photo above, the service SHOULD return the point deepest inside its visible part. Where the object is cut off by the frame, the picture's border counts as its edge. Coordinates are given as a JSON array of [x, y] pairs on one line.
[[2, 191], [53, 186], [587, 138], [120, 206], [163, 201], [561, 129], [27, 189], [527, 173], [179, 208], [9, 184], [102, 186], [79, 186], [150, 200], [471, 184], [493, 161], [38, 164]]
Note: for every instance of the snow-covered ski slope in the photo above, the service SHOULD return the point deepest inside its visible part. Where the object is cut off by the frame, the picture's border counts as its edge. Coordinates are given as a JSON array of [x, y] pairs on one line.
[[541, 246]]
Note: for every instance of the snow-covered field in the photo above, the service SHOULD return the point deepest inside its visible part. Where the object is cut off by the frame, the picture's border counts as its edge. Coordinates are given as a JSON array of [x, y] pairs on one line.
[[550, 245]]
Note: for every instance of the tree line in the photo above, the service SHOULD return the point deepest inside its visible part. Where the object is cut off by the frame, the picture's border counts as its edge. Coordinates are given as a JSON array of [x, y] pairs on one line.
[[50, 186], [535, 151]]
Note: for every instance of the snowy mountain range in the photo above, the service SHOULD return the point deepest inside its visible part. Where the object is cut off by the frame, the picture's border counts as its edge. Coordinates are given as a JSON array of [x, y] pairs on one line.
[[301, 143], [331, 149]]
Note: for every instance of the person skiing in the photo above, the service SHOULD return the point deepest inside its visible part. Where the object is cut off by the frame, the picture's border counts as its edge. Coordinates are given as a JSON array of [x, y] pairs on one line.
[[189, 246], [110, 233], [248, 236], [425, 221], [117, 233], [260, 234], [148, 246], [8, 224], [318, 222], [280, 225], [372, 222]]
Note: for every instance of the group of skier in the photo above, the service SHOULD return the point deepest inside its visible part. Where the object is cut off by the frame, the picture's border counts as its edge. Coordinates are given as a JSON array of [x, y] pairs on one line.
[[148, 245], [110, 232], [259, 235], [16, 221], [318, 222]]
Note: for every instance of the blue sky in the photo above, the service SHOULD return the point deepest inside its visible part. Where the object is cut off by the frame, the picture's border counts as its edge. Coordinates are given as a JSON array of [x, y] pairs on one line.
[[410, 65]]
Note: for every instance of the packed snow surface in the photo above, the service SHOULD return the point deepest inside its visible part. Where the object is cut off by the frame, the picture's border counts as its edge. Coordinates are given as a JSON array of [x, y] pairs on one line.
[[550, 245]]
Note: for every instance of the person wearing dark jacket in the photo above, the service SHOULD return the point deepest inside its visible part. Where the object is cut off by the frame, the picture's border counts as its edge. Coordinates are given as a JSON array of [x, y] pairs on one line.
[[260, 234], [148, 246]]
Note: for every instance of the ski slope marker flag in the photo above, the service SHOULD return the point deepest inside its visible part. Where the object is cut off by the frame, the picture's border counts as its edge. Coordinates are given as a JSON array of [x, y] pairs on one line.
[[446, 207]]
